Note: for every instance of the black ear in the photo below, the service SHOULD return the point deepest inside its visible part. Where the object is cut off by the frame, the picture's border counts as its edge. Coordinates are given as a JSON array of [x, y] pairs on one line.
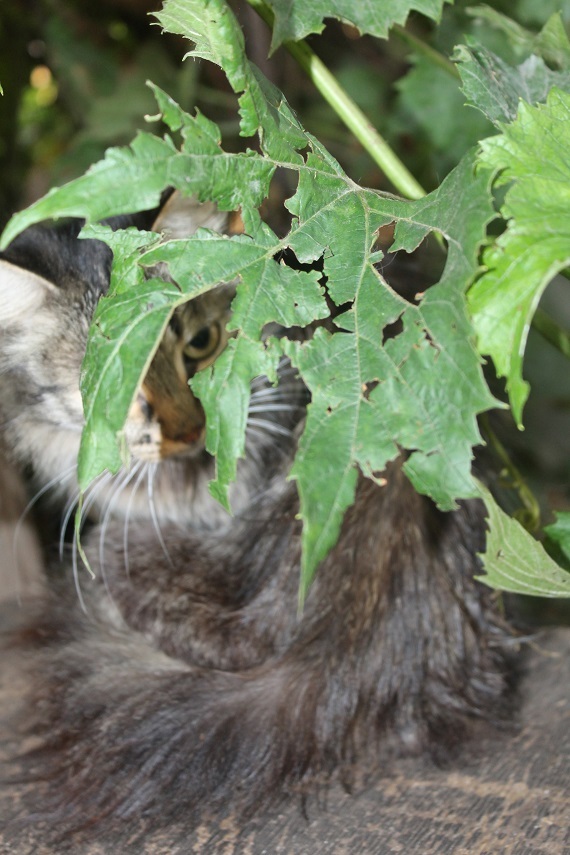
[[39, 249], [55, 254]]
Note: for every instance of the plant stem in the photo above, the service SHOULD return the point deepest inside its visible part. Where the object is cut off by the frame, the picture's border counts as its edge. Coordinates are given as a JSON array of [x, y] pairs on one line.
[[348, 111], [529, 514], [549, 329]]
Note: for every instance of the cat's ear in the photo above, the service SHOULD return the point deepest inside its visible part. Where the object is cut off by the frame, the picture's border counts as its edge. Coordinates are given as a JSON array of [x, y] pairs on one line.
[[182, 215], [21, 293]]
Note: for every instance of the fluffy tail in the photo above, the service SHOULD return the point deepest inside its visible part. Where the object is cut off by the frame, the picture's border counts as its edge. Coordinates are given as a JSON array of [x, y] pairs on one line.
[[126, 732], [397, 649]]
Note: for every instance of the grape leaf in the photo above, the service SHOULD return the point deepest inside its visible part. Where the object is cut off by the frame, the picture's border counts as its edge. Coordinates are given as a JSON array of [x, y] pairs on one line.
[[295, 19], [514, 561], [531, 157]]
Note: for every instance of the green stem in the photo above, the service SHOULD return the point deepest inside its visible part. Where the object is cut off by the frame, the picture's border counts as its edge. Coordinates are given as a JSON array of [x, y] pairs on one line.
[[426, 50], [529, 514], [549, 329], [348, 111]]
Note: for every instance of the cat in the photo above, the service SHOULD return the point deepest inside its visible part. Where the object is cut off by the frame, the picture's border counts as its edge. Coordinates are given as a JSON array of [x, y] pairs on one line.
[[183, 678]]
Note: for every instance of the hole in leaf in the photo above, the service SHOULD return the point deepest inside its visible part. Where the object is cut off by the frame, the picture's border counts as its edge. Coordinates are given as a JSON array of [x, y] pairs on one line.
[[410, 275], [368, 387], [392, 330]]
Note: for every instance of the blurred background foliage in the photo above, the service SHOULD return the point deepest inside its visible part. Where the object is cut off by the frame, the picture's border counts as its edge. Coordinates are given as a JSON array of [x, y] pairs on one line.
[[73, 74]]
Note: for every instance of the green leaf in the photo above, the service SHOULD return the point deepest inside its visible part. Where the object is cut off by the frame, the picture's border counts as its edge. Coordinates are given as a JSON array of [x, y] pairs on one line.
[[496, 88], [514, 561], [419, 391], [132, 178], [295, 19], [426, 372], [551, 43], [531, 155], [218, 38], [268, 292], [137, 312], [558, 535]]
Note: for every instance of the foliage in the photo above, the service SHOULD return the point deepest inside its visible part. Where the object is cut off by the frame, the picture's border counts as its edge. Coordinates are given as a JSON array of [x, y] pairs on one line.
[[419, 389]]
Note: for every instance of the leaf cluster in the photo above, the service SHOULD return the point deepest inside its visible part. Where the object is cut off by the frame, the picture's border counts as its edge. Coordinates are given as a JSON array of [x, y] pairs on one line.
[[373, 396]]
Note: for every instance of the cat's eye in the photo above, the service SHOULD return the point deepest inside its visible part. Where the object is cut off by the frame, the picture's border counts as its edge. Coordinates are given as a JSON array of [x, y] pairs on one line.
[[204, 343]]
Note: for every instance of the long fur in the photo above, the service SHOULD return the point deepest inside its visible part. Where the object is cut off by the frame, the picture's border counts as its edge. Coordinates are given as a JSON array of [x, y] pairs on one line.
[[190, 682], [196, 686]]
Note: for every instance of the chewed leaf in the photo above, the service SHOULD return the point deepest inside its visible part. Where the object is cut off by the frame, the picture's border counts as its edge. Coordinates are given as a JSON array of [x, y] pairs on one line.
[[420, 390], [514, 561], [217, 37], [113, 364], [132, 178], [530, 155]]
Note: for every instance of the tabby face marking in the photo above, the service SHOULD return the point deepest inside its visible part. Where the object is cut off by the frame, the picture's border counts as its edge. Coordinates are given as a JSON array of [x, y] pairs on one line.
[[166, 419]]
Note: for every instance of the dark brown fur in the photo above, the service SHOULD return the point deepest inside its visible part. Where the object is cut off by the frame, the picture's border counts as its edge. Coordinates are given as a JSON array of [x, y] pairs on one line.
[[209, 691]]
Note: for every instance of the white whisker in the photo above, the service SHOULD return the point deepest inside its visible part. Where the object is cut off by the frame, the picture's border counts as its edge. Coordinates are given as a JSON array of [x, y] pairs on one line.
[[152, 508], [91, 495], [59, 480], [68, 510], [273, 408], [270, 427], [117, 488], [286, 391], [142, 473], [75, 567]]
